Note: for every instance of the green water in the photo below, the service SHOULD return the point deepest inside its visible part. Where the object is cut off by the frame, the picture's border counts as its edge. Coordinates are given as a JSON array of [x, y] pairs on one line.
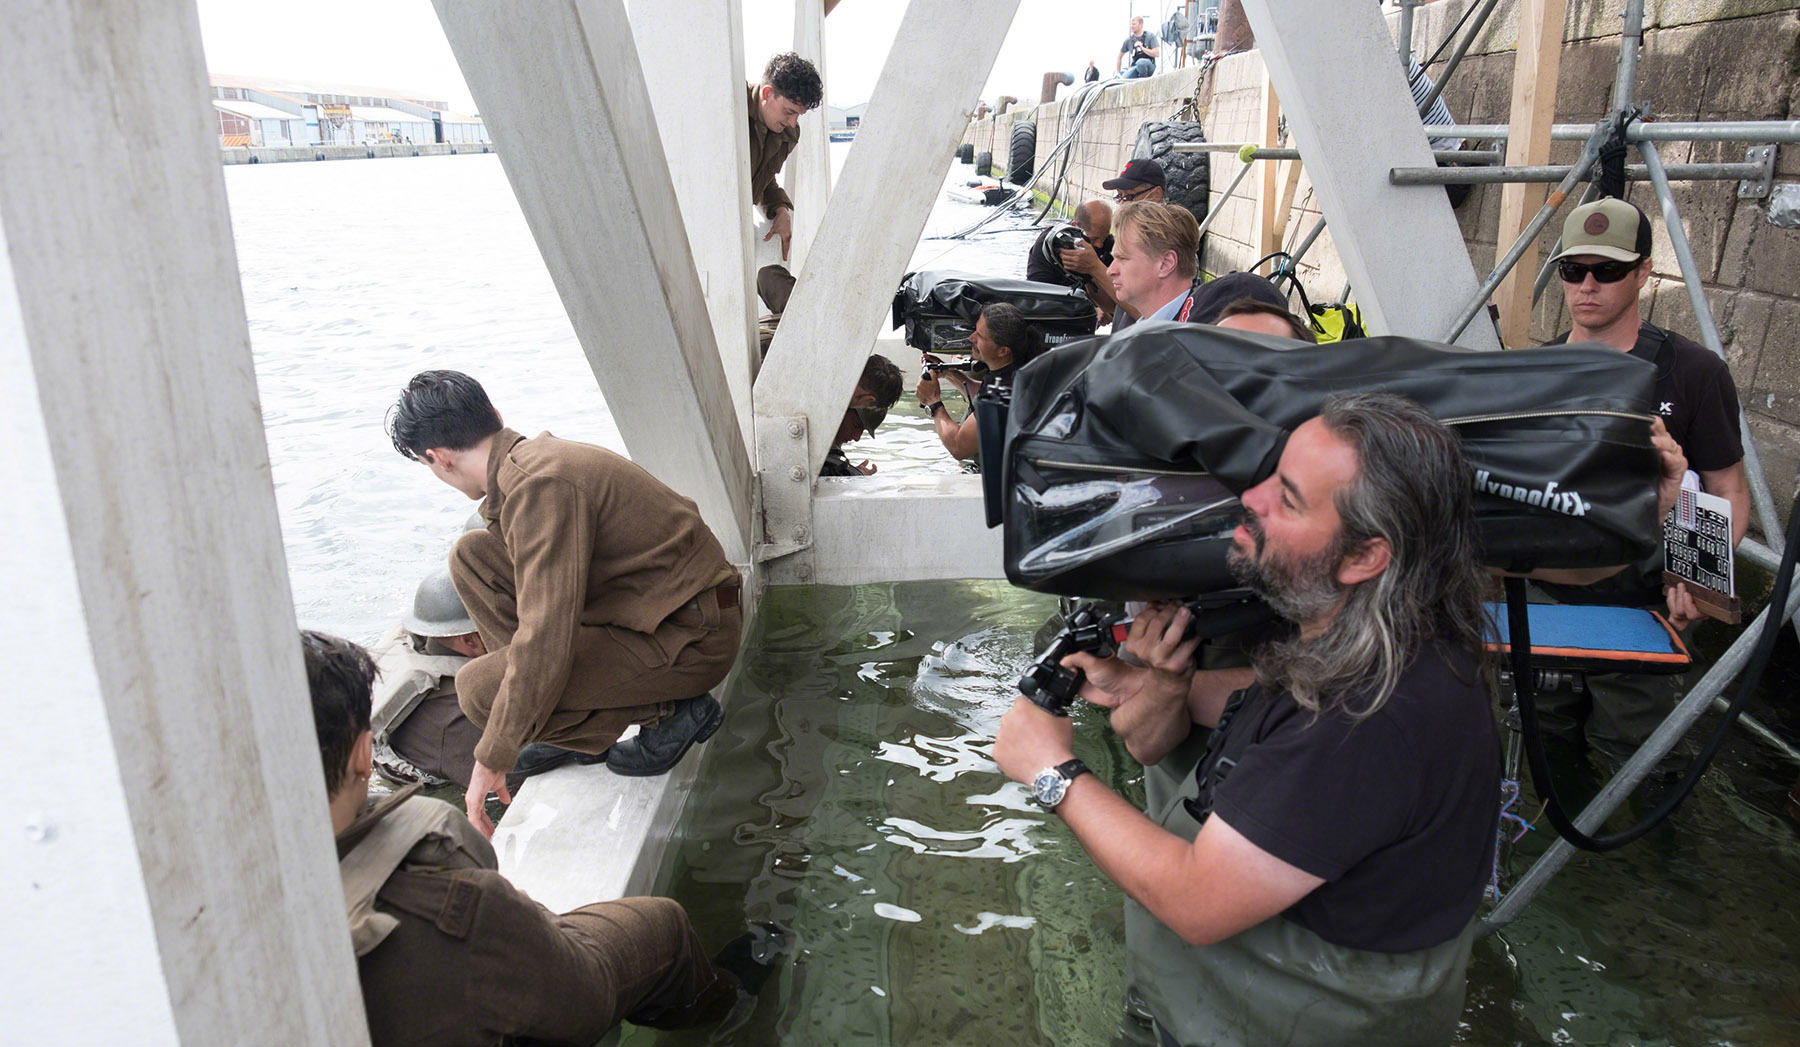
[[850, 796]]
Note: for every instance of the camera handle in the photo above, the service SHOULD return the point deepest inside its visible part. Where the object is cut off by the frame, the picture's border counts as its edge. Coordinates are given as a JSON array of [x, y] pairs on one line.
[[1054, 686]]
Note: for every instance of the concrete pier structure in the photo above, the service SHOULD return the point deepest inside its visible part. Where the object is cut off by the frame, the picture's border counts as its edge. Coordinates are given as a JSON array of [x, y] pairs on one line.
[[169, 875]]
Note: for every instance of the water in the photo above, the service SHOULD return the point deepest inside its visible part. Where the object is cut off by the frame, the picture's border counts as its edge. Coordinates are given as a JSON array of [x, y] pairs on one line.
[[850, 793], [359, 274]]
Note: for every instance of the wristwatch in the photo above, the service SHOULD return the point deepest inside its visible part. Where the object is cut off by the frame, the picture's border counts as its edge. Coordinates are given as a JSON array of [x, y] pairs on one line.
[[934, 408], [1052, 783]]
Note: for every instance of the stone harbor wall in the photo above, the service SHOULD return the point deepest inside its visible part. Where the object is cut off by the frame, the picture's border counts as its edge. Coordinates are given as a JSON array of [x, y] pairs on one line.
[[1702, 60]]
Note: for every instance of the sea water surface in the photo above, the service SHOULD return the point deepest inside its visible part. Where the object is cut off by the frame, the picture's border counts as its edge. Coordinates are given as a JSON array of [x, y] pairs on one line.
[[851, 794]]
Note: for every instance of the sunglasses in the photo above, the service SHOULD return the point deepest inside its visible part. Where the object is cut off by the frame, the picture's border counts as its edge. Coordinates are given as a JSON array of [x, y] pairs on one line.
[[1129, 195], [1604, 272]]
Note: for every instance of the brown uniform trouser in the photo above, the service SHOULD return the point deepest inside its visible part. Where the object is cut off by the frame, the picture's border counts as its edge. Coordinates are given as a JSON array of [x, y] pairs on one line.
[[619, 676], [474, 960]]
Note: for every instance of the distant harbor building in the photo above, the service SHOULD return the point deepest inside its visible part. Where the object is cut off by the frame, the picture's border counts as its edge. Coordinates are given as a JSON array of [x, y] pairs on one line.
[[257, 111], [841, 124]]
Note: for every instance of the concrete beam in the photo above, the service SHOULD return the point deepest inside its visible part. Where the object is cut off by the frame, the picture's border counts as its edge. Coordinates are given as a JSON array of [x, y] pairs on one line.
[[178, 883], [1351, 115], [808, 175], [941, 56], [701, 112], [561, 90], [936, 520]]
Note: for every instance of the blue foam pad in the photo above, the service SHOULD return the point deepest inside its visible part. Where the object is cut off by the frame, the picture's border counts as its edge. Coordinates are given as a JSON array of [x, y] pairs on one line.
[[1628, 629]]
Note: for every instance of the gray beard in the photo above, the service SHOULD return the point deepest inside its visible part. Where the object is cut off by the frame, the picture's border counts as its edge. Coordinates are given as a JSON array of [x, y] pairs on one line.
[[1299, 591]]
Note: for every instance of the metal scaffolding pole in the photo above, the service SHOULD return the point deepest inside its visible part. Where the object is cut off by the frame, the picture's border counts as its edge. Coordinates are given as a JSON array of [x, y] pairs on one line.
[[1212, 211], [1249, 151], [1406, 33], [1631, 41], [1456, 56], [1649, 131], [1721, 172], [1589, 153]]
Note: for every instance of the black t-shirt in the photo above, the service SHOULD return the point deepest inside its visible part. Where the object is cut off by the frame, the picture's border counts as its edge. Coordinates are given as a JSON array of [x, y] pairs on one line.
[[1044, 271], [1397, 812], [1695, 395], [1698, 403]]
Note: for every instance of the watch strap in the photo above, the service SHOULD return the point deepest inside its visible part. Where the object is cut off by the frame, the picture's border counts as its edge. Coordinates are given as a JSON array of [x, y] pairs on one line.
[[1072, 769]]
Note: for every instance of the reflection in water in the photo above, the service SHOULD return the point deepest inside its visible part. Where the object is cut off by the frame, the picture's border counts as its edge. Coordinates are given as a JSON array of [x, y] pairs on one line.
[[932, 902]]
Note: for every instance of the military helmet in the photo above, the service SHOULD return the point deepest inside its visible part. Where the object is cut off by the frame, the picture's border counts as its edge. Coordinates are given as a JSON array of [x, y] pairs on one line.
[[437, 610]]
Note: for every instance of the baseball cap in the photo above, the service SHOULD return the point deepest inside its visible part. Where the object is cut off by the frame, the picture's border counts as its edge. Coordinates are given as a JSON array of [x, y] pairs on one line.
[[1607, 228], [1136, 173]]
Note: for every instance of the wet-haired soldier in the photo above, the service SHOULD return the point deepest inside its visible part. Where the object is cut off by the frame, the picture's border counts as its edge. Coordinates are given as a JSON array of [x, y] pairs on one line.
[[601, 596], [451, 954], [790, 86]]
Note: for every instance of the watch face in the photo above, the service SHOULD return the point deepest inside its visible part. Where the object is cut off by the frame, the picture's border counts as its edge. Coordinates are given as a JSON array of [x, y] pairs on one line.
[[1049, 787]]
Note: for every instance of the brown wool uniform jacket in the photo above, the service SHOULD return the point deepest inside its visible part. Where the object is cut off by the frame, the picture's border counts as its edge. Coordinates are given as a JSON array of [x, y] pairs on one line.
[[452, 955], [768, 151], [594, 540]]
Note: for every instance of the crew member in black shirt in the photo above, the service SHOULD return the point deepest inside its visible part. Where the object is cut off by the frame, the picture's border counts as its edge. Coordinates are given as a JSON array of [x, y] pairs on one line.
[[1605, 264], [1319, 883], [1002, 342]]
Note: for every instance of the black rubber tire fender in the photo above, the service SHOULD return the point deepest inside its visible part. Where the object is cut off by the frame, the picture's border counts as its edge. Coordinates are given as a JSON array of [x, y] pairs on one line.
[[984, 164], [1188, 175], [1022, 159]]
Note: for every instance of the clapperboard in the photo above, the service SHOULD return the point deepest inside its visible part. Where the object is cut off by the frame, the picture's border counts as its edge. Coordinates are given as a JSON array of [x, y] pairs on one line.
[[1697, 550]]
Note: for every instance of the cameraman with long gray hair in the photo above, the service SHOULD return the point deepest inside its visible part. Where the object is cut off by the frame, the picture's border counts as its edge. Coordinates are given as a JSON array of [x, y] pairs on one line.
[[1316, 880]]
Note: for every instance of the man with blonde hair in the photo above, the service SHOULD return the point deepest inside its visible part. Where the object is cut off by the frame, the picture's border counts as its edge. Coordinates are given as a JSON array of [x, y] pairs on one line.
[[1154, 262]]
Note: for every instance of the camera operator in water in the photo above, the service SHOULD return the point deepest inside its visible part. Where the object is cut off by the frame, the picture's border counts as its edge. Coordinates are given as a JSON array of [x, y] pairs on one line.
[[1003, 342], [1317, 879]]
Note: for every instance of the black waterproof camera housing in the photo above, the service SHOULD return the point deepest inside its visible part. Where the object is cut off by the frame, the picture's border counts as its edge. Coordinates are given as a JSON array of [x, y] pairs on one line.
[[1123, 457], [938, 309]]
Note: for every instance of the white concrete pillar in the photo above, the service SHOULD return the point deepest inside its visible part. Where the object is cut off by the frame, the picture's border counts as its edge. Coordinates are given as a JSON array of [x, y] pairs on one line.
[[561, 89], [807, 177], [698, 92], [941, 57], [168, 872], [1351, 115]]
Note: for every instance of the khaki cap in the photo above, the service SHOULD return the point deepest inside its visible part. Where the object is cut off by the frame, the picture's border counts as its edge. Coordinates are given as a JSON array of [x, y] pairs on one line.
[[1607, 228]]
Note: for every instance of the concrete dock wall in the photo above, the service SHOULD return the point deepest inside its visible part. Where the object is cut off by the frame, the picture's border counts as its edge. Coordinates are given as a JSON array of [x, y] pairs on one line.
[[1702, 59], [283, 154]]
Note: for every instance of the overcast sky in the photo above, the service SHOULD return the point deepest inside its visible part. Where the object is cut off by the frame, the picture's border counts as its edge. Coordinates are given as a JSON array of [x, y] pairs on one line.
[[399, 44]]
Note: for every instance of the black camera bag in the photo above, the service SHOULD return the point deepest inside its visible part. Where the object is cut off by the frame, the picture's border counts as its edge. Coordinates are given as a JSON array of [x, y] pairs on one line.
[[1124, 455], [939, 308]]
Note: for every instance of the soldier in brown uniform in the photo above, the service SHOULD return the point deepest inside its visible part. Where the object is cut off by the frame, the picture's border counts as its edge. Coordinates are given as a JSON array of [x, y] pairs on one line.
[[450, 953], [790, 86], [601, 596]]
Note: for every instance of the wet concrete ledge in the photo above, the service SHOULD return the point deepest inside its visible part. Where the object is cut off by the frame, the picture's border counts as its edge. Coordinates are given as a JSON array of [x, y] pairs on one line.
[[287, 154]]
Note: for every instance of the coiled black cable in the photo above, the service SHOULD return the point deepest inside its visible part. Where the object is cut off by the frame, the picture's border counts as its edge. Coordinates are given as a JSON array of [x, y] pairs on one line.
[[1519, 633]]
